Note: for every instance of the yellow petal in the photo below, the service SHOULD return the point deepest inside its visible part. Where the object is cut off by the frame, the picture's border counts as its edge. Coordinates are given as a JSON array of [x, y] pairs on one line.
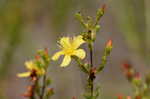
[[80, 53], [57, 55], [30, 65], [65, 42], [77, 41], [66, 61], [40, 71], [26, 74]]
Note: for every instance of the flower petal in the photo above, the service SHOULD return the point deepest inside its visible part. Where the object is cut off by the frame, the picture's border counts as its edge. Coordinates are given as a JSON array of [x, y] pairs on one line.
[[29, 65], [26, 74], [40, 71], [66, 61], [77, 41], [57, 55], [80, 53], [65, 42]]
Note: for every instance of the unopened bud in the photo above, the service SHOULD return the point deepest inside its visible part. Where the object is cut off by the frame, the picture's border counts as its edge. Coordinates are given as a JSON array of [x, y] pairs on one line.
[[27, 95], [74, 97], [109, 47], [129, 75], [128, 97], [126, 66], [137, 76], [109, 43], [119, 96], [138, 97], [104, 7], [46, 51], [37, 57], [100, 12]]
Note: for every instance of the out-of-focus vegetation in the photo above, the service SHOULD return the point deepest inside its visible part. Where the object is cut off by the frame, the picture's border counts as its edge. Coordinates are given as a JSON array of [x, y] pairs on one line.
[[133, 20], [140, 86], [11, 24]]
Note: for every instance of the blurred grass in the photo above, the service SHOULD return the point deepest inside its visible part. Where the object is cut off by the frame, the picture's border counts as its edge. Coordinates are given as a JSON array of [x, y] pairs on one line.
[[147, 15], [11, 22], [60, 13], [61, 10], [132, 22]]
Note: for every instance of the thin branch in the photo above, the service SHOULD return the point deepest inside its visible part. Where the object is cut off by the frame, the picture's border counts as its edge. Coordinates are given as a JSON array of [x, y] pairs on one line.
[[90, 73], [43, 87]]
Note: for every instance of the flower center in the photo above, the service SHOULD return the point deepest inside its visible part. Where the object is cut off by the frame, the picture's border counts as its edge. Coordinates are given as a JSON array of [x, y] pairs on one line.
[[69, 51]]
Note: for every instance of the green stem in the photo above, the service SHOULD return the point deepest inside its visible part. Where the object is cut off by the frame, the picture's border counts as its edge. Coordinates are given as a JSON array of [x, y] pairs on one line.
[[44, 86], [90, 73], [81, 65], [34, 88]]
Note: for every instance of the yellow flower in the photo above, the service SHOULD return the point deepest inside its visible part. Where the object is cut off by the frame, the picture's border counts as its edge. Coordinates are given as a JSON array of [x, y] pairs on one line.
[[31, 66], [69, 47]]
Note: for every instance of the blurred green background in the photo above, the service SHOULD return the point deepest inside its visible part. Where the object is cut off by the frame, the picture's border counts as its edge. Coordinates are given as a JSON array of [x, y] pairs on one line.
[[28, 25]]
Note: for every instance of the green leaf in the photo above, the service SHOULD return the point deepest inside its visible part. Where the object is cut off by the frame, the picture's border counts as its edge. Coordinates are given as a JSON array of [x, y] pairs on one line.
[[48, 81]]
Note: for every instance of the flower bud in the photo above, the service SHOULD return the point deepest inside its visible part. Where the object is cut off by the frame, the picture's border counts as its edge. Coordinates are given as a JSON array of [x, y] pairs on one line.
[[119, 96], [138, 97], [109, 47], [46, 51], [137, 76], [128, 97], [100, 12], [126, 66], [109, 44], [104, 7], [74, 97], [37, 57], [27, 94]]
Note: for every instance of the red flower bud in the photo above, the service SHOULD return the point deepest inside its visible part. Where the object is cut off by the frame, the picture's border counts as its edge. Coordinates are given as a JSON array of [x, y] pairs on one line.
[[104, 7], [137, 76], [129, 75], [119, 97], [28, 94], [126, 66], [128, 97], [109, 43], [46, 51], [50, 89], [94, 70], [37, 57], [138, 97]]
